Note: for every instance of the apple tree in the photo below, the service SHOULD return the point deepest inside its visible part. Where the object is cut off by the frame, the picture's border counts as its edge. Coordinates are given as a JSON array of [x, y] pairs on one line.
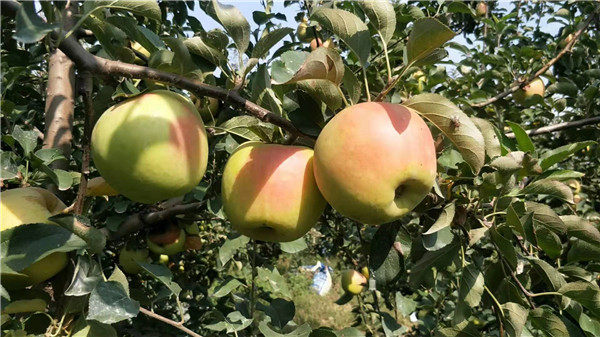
[[165, 179]]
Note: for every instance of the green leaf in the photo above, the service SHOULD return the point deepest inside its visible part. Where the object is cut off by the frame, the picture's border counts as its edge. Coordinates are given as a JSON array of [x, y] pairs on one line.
[[543, 215], [515, 317], [29, 27], [439, 259], [382, 17], [147, 8], [322, 63], [275, 281], [234, 321], [385, 261], [27, 139], [349, 28], [227, 286], [581, 228], [182, 59], [8, 168], [301, 331], [454, 123], [471, 285], [86, 276], [551, 277], [549, 242], [444, 220], [427, 35], [110, 304], [145, 37], [281, 312], [295, 246], [561, 153], [83, 328], [262, 47], [490, 138], [524, 143], [438, 239], [405, 305], [587, 294], [48, 156], [248, 127], [583, 251], [352, 85], [234, 23], [322, 91], [544, 319], [567, 88], [118, 276], [23, 245], [230, 247], [162, 274], [549, 187], [505, 247], [462, 329], [197, 46]]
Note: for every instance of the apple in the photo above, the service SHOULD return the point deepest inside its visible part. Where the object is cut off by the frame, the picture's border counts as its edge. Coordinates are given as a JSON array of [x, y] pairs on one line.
[[129, 258], [269, 191], [151, 147], [208, 107], [314, 45], [575, 185], [481, 8], [24, 206], [168, 240], [193, 242], [530, 94], [98, 187], [365, 272], [303, 32], [563, 43], [375, 161], [353, 282]]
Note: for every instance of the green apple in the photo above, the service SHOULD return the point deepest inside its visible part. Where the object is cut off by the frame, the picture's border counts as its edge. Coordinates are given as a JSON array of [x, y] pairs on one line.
[[129, 258], [98, 187], [530, 94], [563, 43], [169, 241], [208, 107], [269, 191], [375, 162], [24, 206], [151, 147], [303, 32], [353, 282]]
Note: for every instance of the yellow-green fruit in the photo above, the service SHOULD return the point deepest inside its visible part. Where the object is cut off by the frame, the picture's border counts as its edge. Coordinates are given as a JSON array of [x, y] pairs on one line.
[[163, 259], [353, 282], [575, 185], [151, 147], [375, 161], [563, 43], [365, 272], [98, 187], [481, 8], [269, 191], [31, 205], [129, 258], [530, 94], [303, 32], [169, 242], [208, 107]]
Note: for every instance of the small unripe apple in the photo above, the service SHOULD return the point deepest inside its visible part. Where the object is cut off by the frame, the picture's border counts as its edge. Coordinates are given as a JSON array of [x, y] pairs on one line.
[[365, 272], [269, 191], [353, 282], [208, 107], [27, 205], [98, 187], [129, 258], [303, 32], [167, 241], [563, 43], [530, 94], [151, 147], [481, 8], [375, 162]]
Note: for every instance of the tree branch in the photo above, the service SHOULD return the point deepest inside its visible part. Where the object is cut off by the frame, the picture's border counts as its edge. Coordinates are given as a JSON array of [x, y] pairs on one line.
[[168, 321], [86, 86], [521, 83], [559, 126]]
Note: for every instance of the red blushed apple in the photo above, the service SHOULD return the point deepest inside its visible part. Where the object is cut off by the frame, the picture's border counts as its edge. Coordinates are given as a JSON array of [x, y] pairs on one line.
[[530, 94], [151, 147], [269, 191], [374, 162]]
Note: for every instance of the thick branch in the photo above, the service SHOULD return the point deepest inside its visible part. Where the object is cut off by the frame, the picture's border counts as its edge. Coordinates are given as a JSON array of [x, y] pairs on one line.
[[136, 221], [168, 321], [559, 126], [521, 83]]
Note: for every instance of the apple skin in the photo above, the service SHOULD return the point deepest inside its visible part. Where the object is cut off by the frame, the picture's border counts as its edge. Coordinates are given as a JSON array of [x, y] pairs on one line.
[[24, 206], [314, 45], [170, 242], [151, 147], [302, 32], [563, 43], [98, 187], [353, 282], [530, 94], [481, 9], [375, 161], [269, 191], [129, 258]]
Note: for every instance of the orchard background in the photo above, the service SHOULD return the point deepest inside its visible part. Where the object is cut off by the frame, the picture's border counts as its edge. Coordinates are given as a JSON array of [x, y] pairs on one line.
[[505, 244]]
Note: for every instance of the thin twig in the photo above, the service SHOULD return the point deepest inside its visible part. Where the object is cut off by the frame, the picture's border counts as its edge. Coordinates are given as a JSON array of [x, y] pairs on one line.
[[86, 94], [521, 83], [168, 321], [559, 126]]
